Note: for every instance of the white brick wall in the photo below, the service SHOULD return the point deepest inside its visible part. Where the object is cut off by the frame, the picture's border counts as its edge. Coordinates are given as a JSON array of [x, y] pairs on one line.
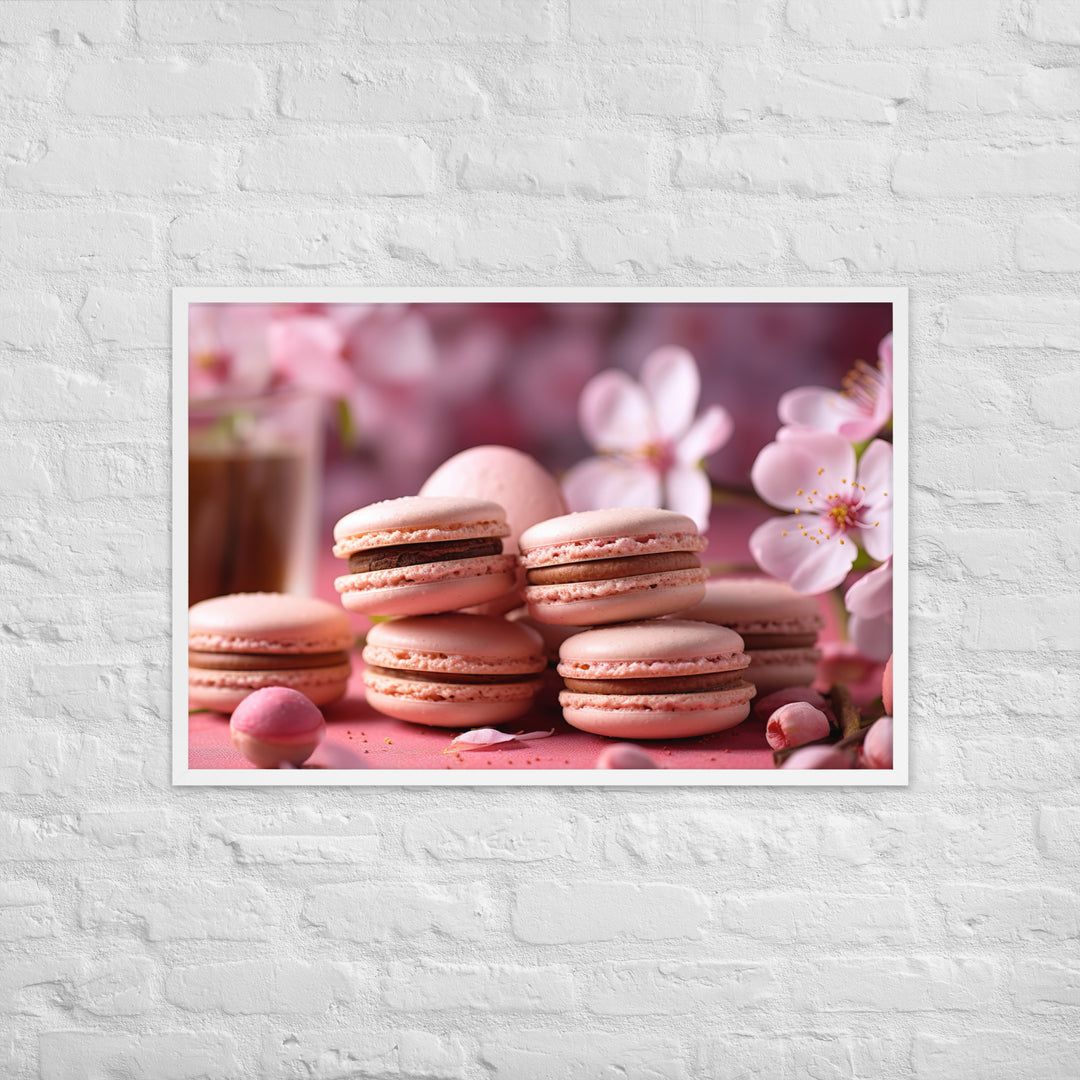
[[474, 934]]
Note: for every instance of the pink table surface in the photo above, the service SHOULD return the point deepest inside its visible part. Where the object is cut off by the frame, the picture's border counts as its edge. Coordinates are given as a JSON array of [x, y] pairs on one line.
[[383, 743]]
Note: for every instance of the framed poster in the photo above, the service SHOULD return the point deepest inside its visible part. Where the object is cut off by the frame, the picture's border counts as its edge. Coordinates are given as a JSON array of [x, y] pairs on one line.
[[540, 536]]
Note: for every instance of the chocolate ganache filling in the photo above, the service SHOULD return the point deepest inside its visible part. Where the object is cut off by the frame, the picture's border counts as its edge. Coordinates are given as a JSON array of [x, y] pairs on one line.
[[391, 558]]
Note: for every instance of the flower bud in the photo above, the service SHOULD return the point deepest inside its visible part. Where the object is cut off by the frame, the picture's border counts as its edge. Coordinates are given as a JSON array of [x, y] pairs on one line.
[[877, 746], [796, 724]]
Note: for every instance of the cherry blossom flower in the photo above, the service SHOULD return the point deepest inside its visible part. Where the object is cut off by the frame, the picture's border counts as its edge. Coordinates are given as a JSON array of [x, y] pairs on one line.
[[651, 446], [869, 603], [857, 412], [837, 506], [306, 352], [227, 350]]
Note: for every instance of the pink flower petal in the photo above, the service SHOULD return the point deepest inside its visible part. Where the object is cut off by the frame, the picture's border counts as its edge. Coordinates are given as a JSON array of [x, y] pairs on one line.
[[780, 549], [671, 379], [689, 492], [787, 472], [615, 412], [871, 596], [600, 483], [875, 474], [885, 356], [872, 637], [821, 409], [481, 737], [305, 351], [707, 434]]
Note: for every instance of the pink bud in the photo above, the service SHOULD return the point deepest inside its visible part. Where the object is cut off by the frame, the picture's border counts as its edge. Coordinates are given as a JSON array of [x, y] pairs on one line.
[[877, 746], [886, 688], [796, 724], [766, 706], [820, 757], [625, 756]]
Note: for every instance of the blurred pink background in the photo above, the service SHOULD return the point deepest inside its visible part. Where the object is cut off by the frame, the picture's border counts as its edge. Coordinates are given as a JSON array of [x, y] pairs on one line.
[[425, 381]]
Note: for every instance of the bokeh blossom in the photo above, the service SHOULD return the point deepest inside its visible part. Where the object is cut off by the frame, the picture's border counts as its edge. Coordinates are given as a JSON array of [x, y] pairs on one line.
[[651, 446], [869, 603], [857, 412], [838, 505]]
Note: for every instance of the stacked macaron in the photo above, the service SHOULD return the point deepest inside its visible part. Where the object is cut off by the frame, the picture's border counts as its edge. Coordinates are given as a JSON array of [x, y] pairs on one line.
[[660, 679], [247, 641], [454, 670], [430, 562], [778, 626], [608, 566], [422, 555], [525, 490], [423, 559]]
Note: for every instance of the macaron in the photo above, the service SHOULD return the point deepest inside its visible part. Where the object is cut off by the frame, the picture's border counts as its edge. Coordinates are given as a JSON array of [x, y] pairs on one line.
[[452, 670], [276, 725], [610, 566], [779, 628], [552, 636], [662, 679], [241, 643], [517, 482], [421, 555]]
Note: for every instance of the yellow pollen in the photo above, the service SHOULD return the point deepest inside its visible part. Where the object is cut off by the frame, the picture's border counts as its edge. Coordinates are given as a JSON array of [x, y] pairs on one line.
[[815, 491], [799, 491], [796, 509], [884, 493], [820, 471], [784, 533], [841, 541], [843, 479]]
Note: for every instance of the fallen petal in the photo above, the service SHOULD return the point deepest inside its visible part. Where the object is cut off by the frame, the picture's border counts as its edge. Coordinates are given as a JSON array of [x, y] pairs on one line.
[[481, 737]]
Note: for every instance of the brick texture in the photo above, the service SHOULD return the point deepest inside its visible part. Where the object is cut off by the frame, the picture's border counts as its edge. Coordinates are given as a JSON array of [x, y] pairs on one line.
[[438, 934]]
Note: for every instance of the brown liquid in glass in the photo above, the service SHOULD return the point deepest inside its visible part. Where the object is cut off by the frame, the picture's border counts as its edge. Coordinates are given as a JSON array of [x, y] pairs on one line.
[[242, 523]]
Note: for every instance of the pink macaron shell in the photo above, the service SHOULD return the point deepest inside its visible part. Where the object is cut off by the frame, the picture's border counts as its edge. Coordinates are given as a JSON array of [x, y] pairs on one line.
[[591, 603], [516, 482], [416, 519], [657, 649], [780, 669], [429, 588], [589, 535], [757, 605], [457, 644], [222, 691], [271, 623], [449, 704], [656, 716]]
